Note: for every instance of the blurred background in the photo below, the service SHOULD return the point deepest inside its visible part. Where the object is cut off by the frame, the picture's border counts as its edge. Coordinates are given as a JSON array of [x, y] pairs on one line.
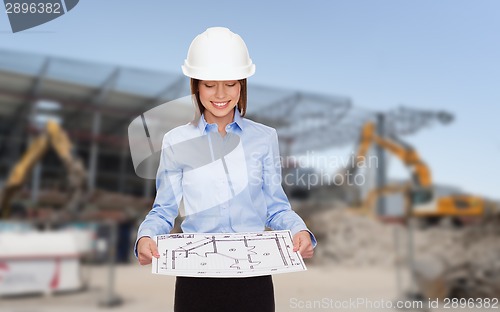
[[386, 113]]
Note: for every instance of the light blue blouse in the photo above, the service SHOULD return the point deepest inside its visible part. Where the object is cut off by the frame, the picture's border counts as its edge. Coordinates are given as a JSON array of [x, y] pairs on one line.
[[227, 184]]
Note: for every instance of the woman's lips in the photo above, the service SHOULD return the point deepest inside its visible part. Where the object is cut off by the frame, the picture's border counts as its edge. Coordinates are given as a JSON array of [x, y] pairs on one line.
[[220, 105]]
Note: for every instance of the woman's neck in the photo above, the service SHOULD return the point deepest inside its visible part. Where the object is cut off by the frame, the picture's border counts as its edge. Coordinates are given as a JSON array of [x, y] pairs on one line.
[[221, 122]]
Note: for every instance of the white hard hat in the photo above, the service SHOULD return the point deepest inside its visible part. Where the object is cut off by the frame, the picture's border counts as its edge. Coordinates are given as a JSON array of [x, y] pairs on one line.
[[218, 54]]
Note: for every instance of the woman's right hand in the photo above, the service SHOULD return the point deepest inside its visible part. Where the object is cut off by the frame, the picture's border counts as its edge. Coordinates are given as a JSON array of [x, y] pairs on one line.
[[146, 250]]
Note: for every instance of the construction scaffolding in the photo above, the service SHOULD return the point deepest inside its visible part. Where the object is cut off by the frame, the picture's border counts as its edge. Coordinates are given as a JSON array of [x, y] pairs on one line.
[[96, 102]]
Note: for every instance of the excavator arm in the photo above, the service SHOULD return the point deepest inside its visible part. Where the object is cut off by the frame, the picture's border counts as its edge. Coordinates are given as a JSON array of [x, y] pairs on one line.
[[403, 151], [419, 199], [420, 191], [420, 172], [19, 173], [58, 139]]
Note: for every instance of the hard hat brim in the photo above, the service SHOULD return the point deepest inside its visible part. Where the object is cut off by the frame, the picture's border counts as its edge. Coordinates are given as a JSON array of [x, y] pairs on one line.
[[218, 73]]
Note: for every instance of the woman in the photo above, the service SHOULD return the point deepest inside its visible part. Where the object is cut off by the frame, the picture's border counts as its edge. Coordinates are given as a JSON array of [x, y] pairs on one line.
[[226, 169]]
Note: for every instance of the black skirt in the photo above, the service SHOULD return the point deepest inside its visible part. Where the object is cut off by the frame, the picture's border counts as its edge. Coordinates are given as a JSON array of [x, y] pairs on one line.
[[242, 294]]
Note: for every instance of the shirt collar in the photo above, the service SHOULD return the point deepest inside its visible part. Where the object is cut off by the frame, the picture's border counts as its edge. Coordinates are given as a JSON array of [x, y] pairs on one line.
[[238, 122]]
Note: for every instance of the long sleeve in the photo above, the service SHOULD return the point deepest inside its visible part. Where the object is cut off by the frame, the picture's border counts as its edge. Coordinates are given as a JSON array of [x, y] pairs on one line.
[[160, 219], [280, 215]]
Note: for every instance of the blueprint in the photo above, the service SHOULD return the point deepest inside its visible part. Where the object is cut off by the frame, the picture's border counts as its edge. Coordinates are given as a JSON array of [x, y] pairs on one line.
[[226, 254]]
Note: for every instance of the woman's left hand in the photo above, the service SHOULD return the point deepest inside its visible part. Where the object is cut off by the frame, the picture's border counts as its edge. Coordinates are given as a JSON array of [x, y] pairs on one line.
[[303, 244]]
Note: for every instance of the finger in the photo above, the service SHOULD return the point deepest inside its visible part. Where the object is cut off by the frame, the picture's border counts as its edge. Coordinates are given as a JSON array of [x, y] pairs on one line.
[[303, 248], [145, 256], [143, 260], [154, 249], [296, 243], [308, 253]]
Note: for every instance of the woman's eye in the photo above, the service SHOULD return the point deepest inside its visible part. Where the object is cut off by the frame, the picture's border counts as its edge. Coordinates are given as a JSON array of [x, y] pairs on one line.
[[209, 86], [231, 85]]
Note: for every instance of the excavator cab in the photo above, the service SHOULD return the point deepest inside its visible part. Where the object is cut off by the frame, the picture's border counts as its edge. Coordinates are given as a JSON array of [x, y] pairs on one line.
[[421, 196]]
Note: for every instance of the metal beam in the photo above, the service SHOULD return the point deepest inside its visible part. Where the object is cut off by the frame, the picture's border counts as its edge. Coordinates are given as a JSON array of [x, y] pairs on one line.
[[169, 93], [406, 121], [19, 121], [96, 127], [124, 152], [94, 98], [381, 176]]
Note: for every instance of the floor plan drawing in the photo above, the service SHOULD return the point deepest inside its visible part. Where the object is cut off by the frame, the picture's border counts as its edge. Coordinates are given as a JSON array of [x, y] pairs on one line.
[[227, 254]]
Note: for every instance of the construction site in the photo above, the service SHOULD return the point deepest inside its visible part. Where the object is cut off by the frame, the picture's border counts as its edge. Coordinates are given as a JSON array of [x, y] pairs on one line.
[[71, 201]]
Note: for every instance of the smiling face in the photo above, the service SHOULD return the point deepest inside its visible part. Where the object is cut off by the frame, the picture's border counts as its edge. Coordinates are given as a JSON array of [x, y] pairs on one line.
[[219, 99]]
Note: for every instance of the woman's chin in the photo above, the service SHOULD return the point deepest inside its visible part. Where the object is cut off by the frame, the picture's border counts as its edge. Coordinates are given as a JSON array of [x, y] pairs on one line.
[[219, 113]]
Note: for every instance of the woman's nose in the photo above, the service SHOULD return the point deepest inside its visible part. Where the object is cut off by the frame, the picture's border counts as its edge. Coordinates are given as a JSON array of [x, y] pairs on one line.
[[220, 92]]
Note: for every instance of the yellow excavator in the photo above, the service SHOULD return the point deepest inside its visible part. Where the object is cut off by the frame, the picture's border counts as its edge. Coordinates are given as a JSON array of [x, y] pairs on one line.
[[434, 274], [57, 138], [419, 196]]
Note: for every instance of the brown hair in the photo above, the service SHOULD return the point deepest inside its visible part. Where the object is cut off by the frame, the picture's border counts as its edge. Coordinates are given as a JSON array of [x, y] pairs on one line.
[[242, 103]]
